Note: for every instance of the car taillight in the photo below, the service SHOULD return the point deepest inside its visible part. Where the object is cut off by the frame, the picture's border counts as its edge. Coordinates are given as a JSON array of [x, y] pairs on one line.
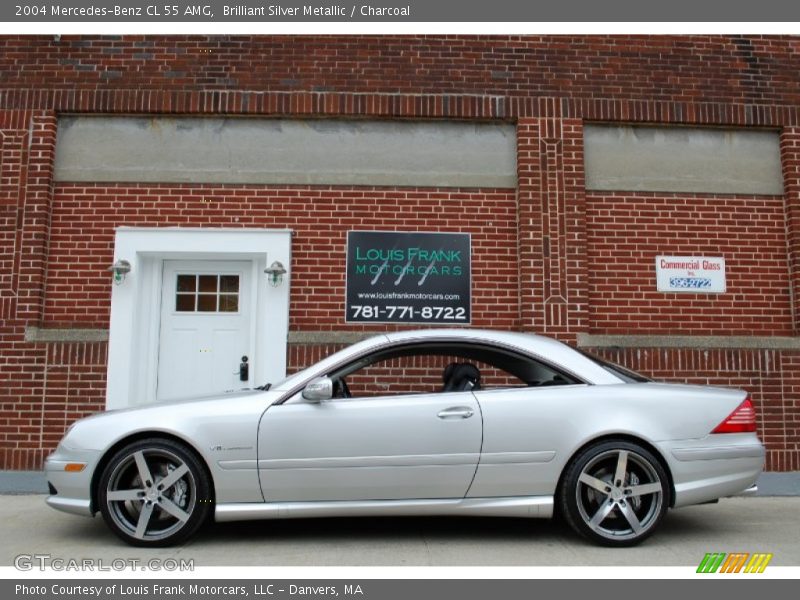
[[741, 420]]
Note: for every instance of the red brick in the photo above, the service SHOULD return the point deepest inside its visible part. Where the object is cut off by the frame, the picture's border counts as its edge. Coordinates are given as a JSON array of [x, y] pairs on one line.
[[550, 261]]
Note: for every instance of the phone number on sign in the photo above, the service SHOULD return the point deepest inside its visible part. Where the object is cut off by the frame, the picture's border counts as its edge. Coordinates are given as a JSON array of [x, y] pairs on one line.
[[447, 313]]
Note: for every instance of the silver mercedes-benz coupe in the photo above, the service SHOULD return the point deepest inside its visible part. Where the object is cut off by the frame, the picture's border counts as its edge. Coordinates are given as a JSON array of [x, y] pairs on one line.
[[433, 422]]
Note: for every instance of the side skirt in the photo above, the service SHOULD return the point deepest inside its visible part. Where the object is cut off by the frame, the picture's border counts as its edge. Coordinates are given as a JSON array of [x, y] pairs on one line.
[[524, 506]]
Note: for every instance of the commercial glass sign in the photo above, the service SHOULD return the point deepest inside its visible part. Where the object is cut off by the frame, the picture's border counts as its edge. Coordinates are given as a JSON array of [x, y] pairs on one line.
[[698, 274], [398, 277]]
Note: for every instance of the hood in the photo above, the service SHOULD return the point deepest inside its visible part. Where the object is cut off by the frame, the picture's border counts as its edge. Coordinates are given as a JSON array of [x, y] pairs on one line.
[[100, 429], [177, 402]]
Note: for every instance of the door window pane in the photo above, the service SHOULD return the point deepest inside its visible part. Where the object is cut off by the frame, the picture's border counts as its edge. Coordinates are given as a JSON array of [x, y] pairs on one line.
[[187, 283], [229, 284], [229, 303], [184, 303], [208, 283], [207, 293], [207, 303]]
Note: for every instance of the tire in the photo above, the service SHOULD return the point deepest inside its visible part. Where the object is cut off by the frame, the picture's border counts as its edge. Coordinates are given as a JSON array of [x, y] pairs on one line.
[[154, 492], [614, 493]]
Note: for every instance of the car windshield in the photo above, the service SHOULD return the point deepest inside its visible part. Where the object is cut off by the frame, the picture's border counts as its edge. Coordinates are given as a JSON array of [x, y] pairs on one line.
[[331, 359], [623, 373]]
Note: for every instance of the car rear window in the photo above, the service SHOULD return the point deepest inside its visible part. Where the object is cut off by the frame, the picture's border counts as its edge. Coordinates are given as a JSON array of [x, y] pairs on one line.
[[623, 373]]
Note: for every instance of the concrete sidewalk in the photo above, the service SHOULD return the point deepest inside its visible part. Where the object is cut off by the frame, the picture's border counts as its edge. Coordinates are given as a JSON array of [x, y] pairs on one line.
[[754, 524], [28, 526], [34, 482]]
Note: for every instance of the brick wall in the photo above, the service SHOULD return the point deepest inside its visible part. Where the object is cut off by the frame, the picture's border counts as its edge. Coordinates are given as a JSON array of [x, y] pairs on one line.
[[758, 69], [25, 195], [790, 150], [84, 219], [552, 263], [46, 387], [547, 256], [625, 232]]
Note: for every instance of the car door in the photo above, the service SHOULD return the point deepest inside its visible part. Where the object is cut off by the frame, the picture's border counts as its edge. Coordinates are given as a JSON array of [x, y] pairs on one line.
[[375, 448], [526, 436]]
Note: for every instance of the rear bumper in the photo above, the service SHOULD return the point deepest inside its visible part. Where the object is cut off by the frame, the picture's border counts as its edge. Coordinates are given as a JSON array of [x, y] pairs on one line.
[[714, 467], [692, 453], [751, 491]]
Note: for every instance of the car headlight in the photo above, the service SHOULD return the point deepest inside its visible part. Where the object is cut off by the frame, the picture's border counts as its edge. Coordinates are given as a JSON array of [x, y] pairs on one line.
[[66, 435]]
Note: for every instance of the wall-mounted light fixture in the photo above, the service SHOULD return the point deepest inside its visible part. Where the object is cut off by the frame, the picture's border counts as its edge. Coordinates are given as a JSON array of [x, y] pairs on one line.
[[120, 269], [275, 273]]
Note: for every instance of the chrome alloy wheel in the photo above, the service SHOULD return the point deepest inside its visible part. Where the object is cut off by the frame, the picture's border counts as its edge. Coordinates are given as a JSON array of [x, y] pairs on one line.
[[620, 495], [151, 494]]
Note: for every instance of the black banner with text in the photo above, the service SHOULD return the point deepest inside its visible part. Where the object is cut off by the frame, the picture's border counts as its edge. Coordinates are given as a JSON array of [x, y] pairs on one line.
[[395, 277]]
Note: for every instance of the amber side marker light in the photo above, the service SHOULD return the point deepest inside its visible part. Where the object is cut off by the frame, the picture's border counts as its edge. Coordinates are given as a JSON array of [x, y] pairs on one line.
[[74, 467], [741, 420]]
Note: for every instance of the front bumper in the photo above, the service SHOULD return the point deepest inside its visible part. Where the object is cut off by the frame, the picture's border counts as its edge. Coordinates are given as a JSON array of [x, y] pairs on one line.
[[75, 506], [72, 489]]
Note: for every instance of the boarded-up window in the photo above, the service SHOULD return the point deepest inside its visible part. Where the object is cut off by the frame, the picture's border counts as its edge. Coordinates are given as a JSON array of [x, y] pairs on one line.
[[682, 159], [286, 151]]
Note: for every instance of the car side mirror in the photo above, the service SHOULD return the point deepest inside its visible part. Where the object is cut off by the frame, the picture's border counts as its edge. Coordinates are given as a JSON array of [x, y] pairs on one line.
[[318, 389]]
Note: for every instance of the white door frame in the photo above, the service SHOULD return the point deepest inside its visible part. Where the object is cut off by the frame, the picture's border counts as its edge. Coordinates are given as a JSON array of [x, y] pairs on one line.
[[136, 302]]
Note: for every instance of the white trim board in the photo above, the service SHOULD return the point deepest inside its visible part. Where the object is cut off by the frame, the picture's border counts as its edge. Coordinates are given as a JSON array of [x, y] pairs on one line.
[[135, 303]]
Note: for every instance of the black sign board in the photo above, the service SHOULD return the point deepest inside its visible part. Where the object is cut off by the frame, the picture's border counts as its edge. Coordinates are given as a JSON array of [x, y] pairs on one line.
[[395, 277]]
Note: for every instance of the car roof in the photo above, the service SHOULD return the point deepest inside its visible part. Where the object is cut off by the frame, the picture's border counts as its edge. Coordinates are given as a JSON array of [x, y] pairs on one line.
[[547, 348], [472, 334]]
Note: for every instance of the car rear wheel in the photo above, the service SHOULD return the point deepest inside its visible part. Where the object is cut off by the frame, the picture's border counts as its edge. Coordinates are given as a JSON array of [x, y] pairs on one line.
[[154, 492], [614, 493]]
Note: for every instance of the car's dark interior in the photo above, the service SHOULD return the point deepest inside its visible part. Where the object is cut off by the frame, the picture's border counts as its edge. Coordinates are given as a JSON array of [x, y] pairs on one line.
[[458, 377]]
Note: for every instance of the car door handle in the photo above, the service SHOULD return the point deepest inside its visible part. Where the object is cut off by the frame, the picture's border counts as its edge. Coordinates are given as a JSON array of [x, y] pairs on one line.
[[456, 412]]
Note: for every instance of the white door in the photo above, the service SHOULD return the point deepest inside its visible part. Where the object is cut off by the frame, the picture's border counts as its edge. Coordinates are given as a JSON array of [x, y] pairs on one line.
[[205, 328]]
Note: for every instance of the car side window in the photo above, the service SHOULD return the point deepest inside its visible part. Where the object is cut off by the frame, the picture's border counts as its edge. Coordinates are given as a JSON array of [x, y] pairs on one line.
[[422, 374], [430, 369]]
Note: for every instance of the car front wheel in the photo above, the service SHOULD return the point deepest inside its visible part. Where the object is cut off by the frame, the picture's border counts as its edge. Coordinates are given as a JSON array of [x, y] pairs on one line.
[[154, 492], [614, 493]]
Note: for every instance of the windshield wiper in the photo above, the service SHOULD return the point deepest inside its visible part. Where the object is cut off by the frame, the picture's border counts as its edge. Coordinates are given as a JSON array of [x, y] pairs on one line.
[[264, 387]]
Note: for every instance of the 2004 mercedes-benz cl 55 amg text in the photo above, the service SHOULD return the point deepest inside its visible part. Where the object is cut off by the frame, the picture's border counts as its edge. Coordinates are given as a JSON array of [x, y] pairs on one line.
[[512, 425]]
